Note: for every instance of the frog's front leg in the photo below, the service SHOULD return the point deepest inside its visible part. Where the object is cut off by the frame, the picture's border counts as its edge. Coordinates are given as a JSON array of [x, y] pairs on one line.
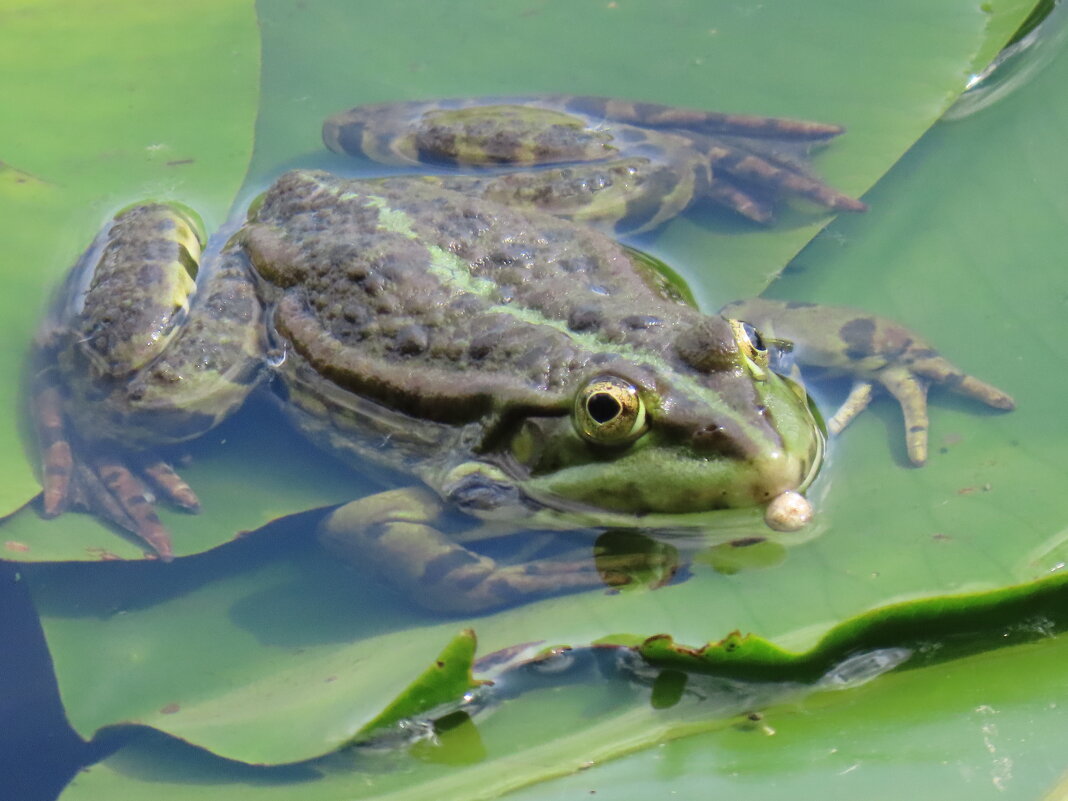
[[396, 533], [142, 348], [874, 350]]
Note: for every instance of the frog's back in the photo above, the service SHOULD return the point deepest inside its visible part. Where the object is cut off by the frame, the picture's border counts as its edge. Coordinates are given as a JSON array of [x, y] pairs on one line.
[[442, 305]]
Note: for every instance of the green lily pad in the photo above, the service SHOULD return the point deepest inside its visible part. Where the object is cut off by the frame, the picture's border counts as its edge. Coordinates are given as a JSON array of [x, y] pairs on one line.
[[548, 731], [818, 61], [100, 109], [218, 634]]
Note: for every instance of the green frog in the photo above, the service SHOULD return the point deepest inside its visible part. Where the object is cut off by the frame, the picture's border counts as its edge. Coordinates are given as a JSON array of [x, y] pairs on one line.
[[482, 331]]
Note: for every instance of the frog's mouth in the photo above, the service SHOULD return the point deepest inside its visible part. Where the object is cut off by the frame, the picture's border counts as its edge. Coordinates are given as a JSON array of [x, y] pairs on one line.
[[666, 487]]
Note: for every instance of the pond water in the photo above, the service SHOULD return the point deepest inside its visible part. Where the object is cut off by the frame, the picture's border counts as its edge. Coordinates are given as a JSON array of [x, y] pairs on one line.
[[265, 652]]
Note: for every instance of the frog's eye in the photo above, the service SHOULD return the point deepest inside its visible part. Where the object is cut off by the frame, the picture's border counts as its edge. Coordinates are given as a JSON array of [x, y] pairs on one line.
[[752, 346], [609, 411]]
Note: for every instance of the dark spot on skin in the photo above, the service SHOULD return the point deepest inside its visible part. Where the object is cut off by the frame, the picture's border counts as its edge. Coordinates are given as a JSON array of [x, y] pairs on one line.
[[439, 663], [185, 258], [859, 337], [179, 162], [585, 318], [800, 304], [412, 339], [350, 138], [170, 709], [917, 429], [481, 347], [641, 322]]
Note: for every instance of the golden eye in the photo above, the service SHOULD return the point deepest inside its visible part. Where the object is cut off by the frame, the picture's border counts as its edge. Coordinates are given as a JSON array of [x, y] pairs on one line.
[[609, 411], [752, 345]]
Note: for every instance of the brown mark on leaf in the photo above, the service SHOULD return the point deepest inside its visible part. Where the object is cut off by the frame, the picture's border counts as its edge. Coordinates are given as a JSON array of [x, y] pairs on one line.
[[170, 709], [103, 555], [180, 162], [16, 547], [745, 542], [17, 176]]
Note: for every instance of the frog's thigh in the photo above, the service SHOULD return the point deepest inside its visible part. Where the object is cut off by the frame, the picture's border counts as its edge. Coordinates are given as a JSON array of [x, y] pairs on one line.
[[394, 532]]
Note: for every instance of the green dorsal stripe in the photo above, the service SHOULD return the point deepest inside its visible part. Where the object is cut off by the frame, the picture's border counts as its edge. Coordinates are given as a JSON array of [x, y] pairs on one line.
[[455, 273]]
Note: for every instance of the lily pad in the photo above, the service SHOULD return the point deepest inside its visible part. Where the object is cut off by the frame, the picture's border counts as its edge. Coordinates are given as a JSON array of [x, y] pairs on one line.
[[563, 722], [818, 61], [131, 641], [134, 100]]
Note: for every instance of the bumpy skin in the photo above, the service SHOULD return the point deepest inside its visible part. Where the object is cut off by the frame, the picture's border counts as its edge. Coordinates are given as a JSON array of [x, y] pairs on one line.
[[526, 367], [455, 310]]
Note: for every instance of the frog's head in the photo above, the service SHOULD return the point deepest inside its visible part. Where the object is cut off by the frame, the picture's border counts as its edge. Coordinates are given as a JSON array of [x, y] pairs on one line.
[[707, 425]]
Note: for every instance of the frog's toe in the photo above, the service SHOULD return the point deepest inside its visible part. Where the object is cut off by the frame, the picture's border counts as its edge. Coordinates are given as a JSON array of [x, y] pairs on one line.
[[768, 177], [171, 485], [859, 398], [128, 503], [941, 371], [103, 484], [911, 393], [57, 462], [733, 197]]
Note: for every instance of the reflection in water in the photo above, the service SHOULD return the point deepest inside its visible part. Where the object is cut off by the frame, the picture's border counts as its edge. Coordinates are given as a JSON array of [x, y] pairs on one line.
[[1016, 65]]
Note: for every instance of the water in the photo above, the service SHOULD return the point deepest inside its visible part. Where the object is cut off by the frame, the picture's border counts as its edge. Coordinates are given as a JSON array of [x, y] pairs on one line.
[[128, 641]]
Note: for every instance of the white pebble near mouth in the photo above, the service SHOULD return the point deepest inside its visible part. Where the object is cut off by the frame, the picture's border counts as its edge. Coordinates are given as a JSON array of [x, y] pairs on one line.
[[788, 512]]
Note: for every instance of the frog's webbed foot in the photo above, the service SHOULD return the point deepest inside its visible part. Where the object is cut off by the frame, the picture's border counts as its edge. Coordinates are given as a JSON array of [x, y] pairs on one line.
[[395, 533], [101, 481], [874, 351], [907, 380], [749, 182]]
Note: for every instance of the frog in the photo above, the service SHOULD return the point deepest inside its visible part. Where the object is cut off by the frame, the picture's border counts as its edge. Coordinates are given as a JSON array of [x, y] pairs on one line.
[[480, 328]]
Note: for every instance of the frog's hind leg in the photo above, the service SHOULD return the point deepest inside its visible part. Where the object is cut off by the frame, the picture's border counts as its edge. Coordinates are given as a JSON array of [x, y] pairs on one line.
[[394, 532], [657, 115], [750, 182]]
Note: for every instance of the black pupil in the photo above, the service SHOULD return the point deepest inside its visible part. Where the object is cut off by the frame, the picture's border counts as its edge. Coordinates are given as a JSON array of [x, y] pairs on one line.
[[603, 407], [754, 337]]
